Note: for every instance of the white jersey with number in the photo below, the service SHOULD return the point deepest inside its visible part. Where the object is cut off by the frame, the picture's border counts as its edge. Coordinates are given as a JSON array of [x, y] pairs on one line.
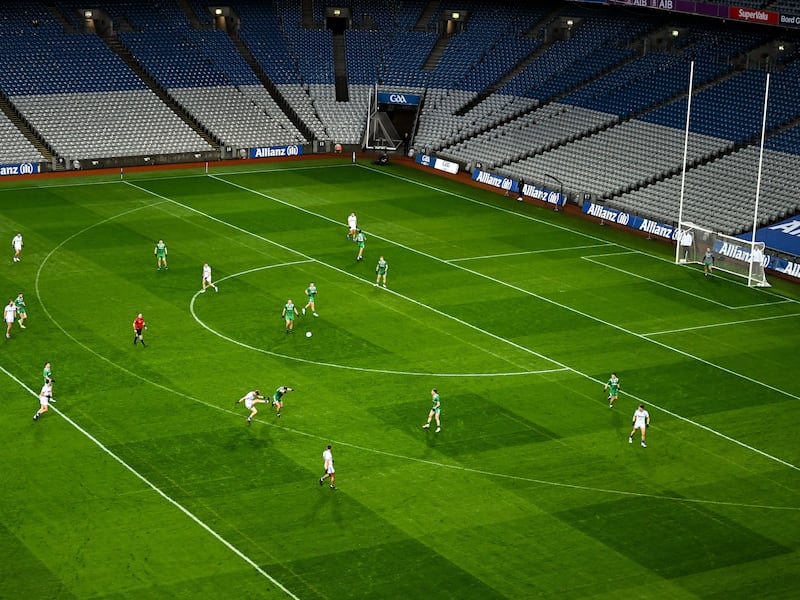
[[207, 272], [248, 399], [351, 222], [17, 242], [10, 313]]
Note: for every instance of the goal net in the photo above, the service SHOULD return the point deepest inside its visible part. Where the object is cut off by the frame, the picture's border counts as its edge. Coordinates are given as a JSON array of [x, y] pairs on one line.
[[742, 258]]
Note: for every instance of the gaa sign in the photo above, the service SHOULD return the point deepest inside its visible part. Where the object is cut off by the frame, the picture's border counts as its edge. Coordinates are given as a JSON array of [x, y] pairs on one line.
[[398, 98]]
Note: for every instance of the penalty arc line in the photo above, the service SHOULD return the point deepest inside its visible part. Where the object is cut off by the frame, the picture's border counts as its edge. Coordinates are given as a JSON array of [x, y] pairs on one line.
[[160, 492], [539, 297], [319, 363]]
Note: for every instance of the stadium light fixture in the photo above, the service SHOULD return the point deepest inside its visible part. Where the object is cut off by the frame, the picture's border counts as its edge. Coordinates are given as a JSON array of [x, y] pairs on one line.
[[781, 48], [455, 16], [337, 12], [88, 14], [675, 33], [218, 12]]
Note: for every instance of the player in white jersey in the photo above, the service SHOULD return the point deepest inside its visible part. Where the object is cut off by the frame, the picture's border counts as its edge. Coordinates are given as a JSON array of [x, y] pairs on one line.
[[330, 472], [352, 226], [250, 400], [9, 315], [45, 397], [207, 278], [17, 244], [641, 421]]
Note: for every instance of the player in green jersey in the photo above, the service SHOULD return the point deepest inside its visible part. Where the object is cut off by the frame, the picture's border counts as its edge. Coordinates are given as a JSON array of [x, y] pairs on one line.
[[288, 314], [435, 412], [21, 311], [160, 252], [360, 239], [311, 293], [381, 269], [612, 387], [47, 373], [277, 398]]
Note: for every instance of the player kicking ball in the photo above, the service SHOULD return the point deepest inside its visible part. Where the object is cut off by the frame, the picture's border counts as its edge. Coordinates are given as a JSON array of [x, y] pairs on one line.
[[250, 400]]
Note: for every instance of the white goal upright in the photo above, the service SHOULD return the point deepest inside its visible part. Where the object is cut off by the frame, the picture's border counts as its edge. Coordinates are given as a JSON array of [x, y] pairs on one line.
[[743, 258]]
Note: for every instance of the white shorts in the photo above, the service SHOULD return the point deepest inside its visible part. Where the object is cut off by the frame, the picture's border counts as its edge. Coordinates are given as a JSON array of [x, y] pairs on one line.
[[248, 403], [44, 401], [9, 319], [330, 470]]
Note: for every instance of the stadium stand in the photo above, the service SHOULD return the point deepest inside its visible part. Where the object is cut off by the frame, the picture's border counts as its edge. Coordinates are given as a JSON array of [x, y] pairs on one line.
[[594, 96]]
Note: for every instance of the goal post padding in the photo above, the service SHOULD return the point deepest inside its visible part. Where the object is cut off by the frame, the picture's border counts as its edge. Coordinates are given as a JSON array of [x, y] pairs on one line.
[[736, 256]]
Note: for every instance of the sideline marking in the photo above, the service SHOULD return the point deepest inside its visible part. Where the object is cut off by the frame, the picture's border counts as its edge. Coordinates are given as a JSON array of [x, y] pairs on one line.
[[158, 491], [537, 296], [682, 329], [527, 252], [200, 322]]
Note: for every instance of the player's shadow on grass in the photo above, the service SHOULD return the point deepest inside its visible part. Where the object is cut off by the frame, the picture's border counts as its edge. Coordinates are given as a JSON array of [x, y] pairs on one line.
[[249, 439]]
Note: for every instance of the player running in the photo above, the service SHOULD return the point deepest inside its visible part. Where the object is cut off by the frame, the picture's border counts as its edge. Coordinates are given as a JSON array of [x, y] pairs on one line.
[[22, 313], [45, 398], [207, 279], [360, 239], [435, 411], [311, 293], [612, 387], [352, 226]]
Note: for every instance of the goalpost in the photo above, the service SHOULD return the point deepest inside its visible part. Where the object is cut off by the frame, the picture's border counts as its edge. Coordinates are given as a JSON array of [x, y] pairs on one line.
[[732, 255], [744, 258]]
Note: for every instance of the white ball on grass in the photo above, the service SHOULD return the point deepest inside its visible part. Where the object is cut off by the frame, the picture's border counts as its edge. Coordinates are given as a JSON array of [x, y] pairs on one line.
[[308, 334]]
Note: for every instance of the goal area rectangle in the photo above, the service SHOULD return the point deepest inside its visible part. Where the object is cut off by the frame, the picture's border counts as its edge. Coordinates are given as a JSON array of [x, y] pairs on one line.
[[729, 254]]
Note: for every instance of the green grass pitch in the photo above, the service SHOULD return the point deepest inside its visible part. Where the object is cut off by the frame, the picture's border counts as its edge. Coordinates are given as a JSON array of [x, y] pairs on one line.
[[144, 480]]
